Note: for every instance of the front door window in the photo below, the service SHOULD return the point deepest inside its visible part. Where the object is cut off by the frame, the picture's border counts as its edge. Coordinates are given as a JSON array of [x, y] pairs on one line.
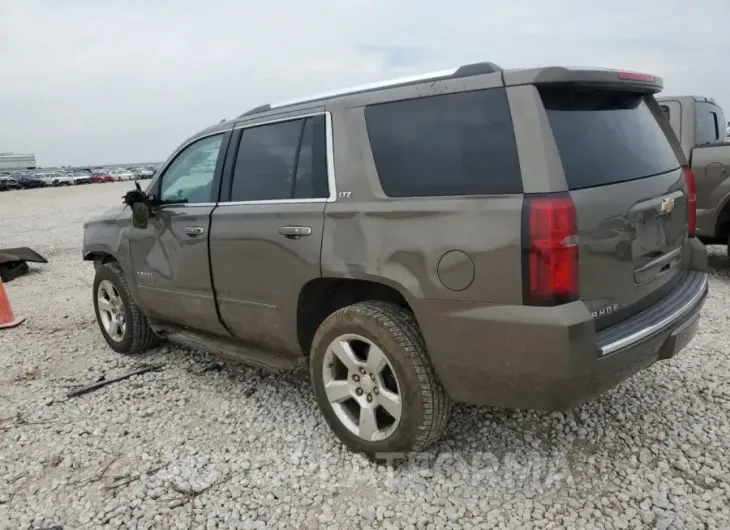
[[189, 178]]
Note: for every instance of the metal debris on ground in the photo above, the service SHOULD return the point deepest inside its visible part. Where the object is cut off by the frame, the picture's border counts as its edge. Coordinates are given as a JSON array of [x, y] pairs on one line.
[[103, 381], [13, 262]]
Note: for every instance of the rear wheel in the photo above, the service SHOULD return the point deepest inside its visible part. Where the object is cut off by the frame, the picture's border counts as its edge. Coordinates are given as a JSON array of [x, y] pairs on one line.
[[124, 327], [374, 382]]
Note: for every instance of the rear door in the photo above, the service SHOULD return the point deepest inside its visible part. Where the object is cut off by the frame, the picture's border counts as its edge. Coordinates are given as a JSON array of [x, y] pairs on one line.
[[170, 255], [630, 196], [266, 233]]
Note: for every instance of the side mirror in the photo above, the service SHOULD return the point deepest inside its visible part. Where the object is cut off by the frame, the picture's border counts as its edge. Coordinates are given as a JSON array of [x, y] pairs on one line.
[[140, 215], [135, 196]]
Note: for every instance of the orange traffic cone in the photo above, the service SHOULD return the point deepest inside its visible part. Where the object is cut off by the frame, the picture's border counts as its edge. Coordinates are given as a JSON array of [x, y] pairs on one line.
[[7, 320]]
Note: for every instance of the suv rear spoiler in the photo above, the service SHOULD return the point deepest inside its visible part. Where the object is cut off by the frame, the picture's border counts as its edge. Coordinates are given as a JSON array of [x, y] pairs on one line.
[[605, 78]]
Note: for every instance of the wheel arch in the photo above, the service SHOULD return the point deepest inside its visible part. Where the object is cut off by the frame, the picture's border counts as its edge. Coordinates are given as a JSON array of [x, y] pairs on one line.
[[722, 224], [99, 257], [321, 297], [102, 254]]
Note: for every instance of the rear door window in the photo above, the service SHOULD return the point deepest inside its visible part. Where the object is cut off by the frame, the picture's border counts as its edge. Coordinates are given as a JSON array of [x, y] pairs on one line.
[[281, 161], [311, 173], [606, 137], [454, 144]]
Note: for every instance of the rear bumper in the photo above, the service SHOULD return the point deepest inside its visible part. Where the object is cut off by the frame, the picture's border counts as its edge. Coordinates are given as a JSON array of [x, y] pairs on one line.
[[551, 358]]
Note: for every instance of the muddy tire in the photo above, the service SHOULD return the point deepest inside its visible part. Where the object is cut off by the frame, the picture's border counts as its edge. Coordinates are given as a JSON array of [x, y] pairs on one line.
[[374, 383], [124, 327]]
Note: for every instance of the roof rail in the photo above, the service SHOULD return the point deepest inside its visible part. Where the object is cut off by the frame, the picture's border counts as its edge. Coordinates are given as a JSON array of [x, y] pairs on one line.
[[256, 110], [461, 71], [477, 69]]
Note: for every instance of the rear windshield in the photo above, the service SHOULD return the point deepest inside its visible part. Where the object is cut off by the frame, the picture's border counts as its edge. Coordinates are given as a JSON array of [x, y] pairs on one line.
[[606, 137]]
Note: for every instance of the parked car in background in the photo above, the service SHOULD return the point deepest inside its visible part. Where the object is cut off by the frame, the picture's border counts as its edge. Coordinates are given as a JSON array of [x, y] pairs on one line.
[[8, 183], [418, 242], [121, 174], [697, 123], [61, 179], [31, 181], [145, 173], [101, 177], [47, 178], [81, 177], [727, 132]]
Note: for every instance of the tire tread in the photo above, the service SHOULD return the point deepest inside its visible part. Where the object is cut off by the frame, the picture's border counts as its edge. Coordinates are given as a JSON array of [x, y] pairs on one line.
[[402, 326], [143, 338]]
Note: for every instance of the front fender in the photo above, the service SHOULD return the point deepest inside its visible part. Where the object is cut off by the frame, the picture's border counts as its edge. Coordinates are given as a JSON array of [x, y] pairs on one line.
[[107, 238]]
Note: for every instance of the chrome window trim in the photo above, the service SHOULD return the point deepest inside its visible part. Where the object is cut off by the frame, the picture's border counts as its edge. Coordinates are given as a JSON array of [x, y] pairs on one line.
[[272, 201], [329, 148], [191, 205]]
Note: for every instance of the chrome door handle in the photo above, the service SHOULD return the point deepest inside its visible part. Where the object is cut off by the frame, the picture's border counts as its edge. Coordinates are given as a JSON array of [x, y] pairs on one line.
[[193, 231], [295, 232]]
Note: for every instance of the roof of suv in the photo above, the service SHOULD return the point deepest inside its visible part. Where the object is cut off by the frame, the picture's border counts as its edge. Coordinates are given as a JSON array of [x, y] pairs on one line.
[[511, 77], [462, 71], [550, 74]]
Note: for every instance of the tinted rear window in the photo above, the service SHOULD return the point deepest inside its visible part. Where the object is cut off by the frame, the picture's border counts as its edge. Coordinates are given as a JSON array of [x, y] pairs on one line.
[[606, 137], [454, 144]]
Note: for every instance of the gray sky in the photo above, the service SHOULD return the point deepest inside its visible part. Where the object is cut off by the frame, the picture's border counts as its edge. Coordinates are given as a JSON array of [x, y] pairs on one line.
[[104, 81]]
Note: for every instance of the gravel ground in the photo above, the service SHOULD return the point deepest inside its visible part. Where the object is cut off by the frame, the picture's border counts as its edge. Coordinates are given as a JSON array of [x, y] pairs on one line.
[[204, 445]]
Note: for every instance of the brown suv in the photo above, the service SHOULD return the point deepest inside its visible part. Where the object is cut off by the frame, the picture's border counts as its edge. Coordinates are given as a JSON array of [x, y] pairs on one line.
[[521, 238]]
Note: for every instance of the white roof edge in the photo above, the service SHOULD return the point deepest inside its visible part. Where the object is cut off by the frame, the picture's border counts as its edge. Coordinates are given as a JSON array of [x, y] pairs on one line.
[[368, 86]]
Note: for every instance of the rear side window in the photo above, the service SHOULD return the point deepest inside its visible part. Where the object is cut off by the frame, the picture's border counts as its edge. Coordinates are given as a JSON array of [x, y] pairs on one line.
[[606, 137], [707, 125], [311, 172], [454, 144]]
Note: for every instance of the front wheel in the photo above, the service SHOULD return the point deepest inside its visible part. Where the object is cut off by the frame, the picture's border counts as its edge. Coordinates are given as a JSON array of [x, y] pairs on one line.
[[124, 327], [374, 382]]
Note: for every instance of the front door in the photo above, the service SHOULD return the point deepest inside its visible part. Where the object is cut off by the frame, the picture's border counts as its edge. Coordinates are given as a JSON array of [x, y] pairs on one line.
[[266, 232], [170, 256]]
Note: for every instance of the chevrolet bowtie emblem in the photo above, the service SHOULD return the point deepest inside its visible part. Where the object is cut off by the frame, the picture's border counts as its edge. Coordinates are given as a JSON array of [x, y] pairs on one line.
[[667, 206]]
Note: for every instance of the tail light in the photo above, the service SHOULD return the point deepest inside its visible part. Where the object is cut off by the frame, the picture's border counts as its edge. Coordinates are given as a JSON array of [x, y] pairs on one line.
[[550, 250], [689, 176]]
